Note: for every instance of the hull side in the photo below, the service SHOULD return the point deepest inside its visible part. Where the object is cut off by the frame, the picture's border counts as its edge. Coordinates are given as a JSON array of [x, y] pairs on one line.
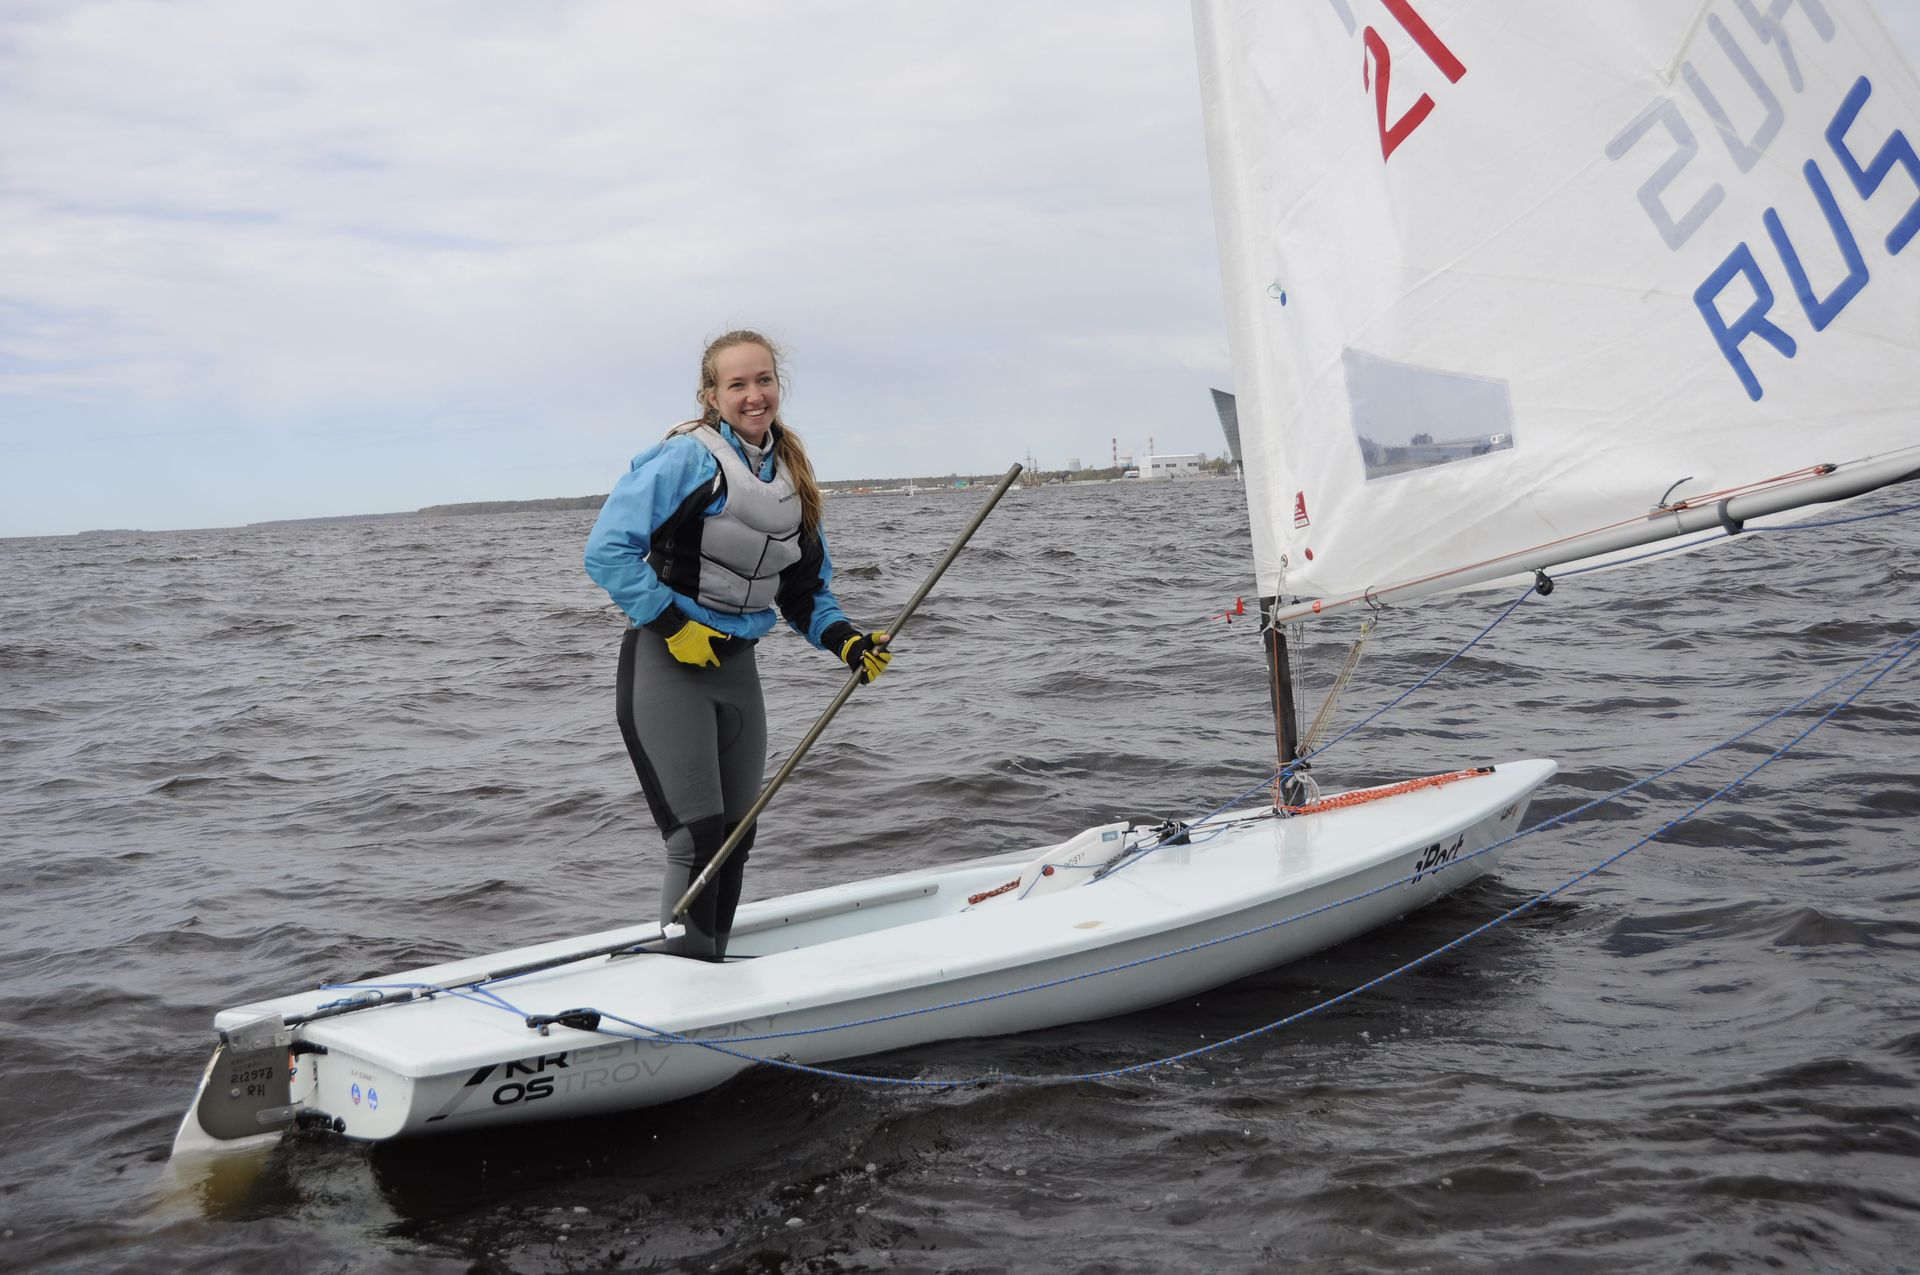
[[1179, 923]]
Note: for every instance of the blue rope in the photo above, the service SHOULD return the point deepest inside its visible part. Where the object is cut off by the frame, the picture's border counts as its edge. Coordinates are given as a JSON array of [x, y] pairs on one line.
[[479, 992], [1438, 669], [1839, 522], [1292, 767], [1684, 546], [1233, 802], [1892, 657], [1910, 643], [1895, 654], [786, 1064]]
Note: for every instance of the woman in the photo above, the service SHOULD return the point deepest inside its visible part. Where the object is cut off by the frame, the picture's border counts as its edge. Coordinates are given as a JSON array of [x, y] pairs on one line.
[[707, 533]]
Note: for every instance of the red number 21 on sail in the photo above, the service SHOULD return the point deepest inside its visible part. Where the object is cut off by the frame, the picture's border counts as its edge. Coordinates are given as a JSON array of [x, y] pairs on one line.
[[1376, 73]]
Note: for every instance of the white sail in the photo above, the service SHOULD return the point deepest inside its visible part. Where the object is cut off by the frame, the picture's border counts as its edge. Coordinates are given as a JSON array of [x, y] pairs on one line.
[[1502, 276]]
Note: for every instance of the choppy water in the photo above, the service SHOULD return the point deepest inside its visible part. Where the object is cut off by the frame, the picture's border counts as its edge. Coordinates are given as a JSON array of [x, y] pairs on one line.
[[235, 762]]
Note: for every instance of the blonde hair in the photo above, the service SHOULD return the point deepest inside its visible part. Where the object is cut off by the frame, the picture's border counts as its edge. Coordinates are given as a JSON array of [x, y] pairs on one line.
[[789, 453]]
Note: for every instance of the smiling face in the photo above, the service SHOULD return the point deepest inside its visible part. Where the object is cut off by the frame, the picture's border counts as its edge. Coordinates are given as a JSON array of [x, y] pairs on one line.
[[746, 389]]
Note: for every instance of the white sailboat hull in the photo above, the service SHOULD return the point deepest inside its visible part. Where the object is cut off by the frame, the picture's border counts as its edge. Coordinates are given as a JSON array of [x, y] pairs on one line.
[[862, 969]]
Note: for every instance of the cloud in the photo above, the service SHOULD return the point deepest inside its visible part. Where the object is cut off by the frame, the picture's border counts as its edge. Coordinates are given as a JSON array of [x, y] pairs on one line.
[[458, 242], [262, 218]]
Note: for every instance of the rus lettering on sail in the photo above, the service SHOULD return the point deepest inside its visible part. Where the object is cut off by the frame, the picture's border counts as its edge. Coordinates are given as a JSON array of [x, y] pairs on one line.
[[1741, 263], [1747, 99]]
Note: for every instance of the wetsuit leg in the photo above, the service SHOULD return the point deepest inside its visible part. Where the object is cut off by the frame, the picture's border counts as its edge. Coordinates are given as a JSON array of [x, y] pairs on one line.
[[689, 849], [743, 767], [726, 888], [697, 737]]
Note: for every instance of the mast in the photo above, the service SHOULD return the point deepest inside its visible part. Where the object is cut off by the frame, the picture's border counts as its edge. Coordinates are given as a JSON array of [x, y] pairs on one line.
[[1286, 713]]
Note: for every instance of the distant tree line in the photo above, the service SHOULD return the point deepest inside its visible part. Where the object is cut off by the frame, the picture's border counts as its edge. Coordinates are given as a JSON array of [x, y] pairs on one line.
[[516, 506], [1216, 466]]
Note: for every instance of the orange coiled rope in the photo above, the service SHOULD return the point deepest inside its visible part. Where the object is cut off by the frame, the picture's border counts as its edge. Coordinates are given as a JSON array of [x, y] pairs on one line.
[[984, 895], [1341, 801]]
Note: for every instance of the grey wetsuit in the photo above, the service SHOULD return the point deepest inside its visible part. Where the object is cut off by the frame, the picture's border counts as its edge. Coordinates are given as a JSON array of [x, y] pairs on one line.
[[698, 739]]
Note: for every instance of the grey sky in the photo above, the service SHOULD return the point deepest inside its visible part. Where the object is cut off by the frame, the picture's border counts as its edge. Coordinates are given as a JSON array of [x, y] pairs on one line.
[[270, 261]]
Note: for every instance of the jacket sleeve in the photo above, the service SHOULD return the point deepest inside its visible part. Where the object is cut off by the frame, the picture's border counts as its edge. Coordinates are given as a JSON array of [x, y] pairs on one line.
[[660, 480], [804, 597]]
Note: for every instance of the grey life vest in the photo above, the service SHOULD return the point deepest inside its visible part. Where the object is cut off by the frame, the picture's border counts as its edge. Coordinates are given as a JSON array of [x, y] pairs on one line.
[[743, 548]]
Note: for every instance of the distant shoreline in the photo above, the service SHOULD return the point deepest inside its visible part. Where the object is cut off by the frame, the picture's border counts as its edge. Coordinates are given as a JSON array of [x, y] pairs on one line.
[[840, 487], [837, 487]]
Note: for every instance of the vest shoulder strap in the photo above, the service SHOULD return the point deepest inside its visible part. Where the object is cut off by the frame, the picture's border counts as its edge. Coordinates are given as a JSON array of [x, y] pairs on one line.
[[695, 505]]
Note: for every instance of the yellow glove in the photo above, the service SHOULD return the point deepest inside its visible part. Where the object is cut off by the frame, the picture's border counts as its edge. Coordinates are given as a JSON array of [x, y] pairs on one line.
[[692, 643], [867, 655]]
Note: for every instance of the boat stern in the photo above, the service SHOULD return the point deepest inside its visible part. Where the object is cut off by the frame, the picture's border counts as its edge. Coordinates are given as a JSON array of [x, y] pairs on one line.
[[263, 1080], [245, 1099]]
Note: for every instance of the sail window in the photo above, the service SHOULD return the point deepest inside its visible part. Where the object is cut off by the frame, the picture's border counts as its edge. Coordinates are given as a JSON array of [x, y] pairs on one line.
[[1408, 418]]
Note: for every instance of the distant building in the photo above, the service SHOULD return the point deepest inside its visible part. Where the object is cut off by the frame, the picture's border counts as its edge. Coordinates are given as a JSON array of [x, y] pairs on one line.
[[1172, 465], [1073, 464]]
